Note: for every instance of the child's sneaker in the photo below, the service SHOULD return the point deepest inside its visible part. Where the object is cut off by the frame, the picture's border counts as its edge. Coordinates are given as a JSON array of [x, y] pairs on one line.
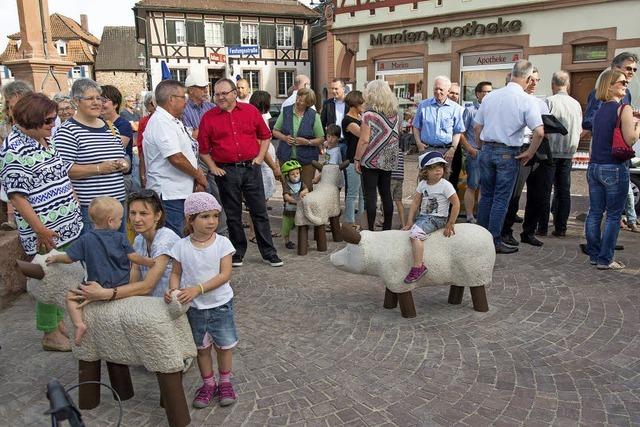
[[204, 396], [415, 274], [226, 395]]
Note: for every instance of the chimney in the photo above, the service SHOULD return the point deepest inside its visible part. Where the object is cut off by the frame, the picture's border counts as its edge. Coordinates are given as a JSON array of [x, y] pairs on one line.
[[84, 22]]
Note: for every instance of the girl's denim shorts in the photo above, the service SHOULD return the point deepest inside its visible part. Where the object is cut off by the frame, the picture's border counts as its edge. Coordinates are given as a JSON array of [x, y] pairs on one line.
[[213, 326]]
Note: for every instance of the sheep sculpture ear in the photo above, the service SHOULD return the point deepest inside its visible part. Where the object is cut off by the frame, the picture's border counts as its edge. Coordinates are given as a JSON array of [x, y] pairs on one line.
[[350, 234], [30, 269], [344, 164], [316, 164]]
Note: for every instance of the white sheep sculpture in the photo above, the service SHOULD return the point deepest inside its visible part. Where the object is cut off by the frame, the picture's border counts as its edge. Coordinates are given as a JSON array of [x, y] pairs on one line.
[[464, 259], [134, 331], [321, 206]]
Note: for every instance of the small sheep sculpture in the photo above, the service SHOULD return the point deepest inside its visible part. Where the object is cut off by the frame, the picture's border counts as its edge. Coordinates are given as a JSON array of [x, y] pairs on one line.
[[320, 206], [136, 331], [464, 259]]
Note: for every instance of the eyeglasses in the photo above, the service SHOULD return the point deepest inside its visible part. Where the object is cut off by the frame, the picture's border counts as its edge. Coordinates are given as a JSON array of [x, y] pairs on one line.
[[50, 120], [223, 94], [485, 91], [92, 98], [625, 83], [534, 80], [67, 108], [179, 96], [629, 68]]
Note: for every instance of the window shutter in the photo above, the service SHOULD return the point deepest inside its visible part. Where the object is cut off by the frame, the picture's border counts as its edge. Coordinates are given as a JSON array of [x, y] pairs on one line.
[[82, 71], [171, 32], [298, 32], [267, 36], [232, 33], [200, 33], [195, 33]]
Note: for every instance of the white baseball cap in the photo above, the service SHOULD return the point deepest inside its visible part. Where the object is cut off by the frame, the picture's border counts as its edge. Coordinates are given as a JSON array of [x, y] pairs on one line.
[[194, 80]]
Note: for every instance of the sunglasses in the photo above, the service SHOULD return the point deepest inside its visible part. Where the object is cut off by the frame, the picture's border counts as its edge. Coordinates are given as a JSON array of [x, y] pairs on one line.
[[629, 68], [146, 194], [50, 120], [625, 83]]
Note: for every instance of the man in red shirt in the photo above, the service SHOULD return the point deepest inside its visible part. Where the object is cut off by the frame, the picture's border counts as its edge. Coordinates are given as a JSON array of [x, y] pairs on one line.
[[234, 139]]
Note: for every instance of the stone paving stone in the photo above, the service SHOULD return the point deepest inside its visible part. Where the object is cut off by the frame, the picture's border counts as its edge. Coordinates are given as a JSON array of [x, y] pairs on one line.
[[559, 346]]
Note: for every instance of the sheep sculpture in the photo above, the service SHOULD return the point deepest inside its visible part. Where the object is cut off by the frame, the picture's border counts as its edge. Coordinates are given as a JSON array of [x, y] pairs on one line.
[[136, 331], [319, 207], [464, 259]]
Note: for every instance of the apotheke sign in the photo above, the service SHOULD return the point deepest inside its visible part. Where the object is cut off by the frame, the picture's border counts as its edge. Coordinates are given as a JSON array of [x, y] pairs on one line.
[[445, 33]]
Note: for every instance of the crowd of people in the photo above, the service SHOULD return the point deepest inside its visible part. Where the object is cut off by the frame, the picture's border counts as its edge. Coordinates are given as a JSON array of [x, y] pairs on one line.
[[70, 173]]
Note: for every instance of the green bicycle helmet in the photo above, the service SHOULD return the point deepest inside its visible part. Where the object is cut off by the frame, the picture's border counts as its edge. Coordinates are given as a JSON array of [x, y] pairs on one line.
[[290, 165]]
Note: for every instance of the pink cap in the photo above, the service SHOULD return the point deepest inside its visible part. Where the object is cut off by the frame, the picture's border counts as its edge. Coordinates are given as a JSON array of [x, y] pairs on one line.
[[200, 202]]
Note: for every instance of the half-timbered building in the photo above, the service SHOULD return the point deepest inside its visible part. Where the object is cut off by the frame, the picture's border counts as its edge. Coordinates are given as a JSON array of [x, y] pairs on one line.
[[265, 42]]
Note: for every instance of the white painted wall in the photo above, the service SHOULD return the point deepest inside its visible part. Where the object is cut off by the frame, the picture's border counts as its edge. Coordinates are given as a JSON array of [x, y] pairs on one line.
[[435, 69], [547, 65]]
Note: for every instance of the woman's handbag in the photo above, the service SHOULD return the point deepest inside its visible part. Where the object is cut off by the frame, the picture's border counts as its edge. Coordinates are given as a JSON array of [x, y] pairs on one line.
[[619, 149]]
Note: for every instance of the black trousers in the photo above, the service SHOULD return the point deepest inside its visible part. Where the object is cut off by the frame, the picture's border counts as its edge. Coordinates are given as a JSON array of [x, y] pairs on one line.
[[456, 167], [376, 181], [561, 206], [538, 198], [239, 182], [514, 203]]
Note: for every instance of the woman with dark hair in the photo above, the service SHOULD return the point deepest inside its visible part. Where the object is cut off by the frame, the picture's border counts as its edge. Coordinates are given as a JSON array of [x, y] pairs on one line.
[[300, 132], [36, 181], [92, 149], [351, 130], [154, 240], [607, 176]]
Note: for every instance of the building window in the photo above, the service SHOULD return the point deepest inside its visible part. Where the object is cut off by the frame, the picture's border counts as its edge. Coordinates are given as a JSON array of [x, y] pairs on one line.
[[285, 81], [176, 32], [590, 52], [284, 36], [77, 72], [249, 34], [214, 34], [179, 74], [253, 77], [61, 46]]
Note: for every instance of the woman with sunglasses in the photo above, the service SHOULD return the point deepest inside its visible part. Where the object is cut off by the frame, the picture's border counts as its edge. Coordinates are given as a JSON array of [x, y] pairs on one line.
[[92, 149], [36, 181], [608, 177], [153, 240]]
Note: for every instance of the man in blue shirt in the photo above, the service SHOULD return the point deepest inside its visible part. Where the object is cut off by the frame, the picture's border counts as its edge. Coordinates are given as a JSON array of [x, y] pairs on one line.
[[471, 149], [197, 105], [438, 122], [499, 130]]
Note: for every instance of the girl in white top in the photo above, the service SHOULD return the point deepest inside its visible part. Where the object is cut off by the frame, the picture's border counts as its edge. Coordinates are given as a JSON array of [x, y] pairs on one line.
[[201, 271], [433, 197]]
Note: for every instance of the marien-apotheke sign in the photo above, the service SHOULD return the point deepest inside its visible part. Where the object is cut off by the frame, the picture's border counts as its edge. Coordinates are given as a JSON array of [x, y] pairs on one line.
[[443, 34]]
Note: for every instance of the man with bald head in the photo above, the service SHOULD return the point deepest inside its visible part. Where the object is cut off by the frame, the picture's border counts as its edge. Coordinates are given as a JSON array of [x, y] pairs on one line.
[[299, 82], [244, 94], [438, 123]]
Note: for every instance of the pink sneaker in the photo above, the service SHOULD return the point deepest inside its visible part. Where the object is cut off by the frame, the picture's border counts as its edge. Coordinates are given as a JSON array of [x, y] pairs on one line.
[[204, 396], [226, 394], [415, 274]]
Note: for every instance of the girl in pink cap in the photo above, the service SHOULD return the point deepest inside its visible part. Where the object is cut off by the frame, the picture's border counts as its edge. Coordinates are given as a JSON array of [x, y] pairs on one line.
[[201, 272]]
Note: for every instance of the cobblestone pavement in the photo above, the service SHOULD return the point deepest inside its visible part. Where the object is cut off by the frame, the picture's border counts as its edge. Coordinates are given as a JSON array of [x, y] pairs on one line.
[[559, 346]]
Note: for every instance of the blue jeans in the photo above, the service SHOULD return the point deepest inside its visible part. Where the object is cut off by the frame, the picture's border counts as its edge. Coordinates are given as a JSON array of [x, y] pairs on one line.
[[354, 194], [473, 171], [498, 173], [630, 207], [88, 225], [174, 215], [608, 188]]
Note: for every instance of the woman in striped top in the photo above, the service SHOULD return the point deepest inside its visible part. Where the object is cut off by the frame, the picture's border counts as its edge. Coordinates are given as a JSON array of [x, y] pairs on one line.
[[377, 152], [92, 149], [36, 181]]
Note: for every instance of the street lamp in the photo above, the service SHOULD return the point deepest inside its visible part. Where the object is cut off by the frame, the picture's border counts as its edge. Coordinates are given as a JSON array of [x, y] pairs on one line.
[[142, 61]]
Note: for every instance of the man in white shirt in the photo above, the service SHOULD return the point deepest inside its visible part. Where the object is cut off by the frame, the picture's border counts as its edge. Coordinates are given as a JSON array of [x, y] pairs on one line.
[[299, 82], [171, 154], [500, 123]]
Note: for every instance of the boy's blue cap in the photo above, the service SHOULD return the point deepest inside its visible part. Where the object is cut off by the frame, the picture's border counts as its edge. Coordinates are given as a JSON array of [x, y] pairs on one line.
[[430, 158]]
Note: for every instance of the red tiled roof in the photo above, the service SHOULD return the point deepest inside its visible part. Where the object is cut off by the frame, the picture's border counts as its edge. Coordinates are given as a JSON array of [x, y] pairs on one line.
[[65, 28], [284, 8]]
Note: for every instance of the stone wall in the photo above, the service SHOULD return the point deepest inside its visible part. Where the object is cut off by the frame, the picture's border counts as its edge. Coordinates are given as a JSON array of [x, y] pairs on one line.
[[129, 82]]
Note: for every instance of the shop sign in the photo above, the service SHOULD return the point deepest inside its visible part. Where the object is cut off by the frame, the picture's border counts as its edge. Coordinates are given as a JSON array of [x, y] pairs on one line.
[[243, 50], [507, 57], [445, 33], [217, 57], [399, 64]]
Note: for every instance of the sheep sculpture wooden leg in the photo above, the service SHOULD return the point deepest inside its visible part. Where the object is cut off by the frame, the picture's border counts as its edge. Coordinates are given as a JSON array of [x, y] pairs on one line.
[[465, 259], [336, 230], [320, 236]]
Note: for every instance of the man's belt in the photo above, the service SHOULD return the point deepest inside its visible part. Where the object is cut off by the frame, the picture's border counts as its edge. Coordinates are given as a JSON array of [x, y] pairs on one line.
[[242, 164]]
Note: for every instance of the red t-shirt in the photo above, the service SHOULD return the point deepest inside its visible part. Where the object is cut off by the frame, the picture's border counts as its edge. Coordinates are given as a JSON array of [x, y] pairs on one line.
[[142, 124], [231, 137]]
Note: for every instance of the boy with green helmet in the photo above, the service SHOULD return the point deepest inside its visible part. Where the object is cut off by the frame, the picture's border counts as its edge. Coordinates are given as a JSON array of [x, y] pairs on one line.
[[293, 189]]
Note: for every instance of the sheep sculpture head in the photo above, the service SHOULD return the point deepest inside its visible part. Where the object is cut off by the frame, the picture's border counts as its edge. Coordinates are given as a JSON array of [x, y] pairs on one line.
[[324, 201], [139, 330]]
